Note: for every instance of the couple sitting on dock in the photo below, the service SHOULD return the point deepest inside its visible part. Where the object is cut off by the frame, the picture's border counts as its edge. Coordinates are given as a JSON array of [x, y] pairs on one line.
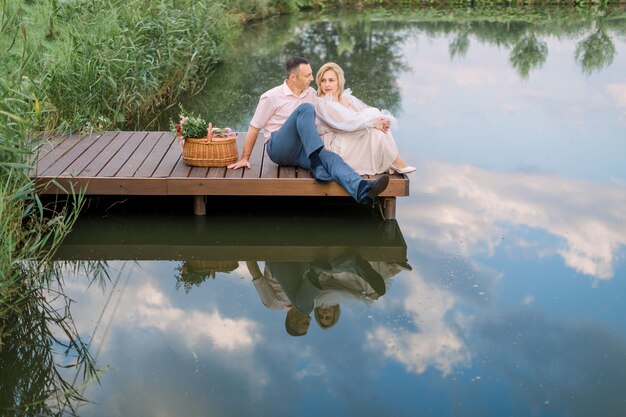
[[347, 139]]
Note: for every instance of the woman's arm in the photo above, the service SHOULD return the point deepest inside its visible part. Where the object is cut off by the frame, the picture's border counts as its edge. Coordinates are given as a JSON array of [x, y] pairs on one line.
[[358, 116], [338, 117]]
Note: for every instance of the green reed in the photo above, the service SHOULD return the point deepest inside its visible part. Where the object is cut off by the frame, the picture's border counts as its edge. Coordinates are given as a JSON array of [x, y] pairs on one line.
[[110, 64], [35, 321]]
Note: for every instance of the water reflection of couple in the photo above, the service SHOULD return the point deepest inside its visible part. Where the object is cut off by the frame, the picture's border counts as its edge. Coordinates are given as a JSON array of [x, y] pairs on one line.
[[353, 138], [301, 288]]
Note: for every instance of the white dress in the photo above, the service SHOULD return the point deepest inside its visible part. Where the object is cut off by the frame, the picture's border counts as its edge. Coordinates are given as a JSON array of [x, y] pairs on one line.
[[349, 133]]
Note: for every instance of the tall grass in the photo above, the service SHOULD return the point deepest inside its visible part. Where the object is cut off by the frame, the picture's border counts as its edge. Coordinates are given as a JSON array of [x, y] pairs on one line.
[[30, 230], [32, 325], [111, 64]]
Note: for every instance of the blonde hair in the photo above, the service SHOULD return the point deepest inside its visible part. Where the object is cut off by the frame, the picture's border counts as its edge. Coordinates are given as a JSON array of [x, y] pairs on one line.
[[341, 80], [336, 312]]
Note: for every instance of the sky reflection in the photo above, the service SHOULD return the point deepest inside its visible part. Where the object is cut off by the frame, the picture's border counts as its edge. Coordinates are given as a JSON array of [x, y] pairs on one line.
[[478, 110], [478, 210]]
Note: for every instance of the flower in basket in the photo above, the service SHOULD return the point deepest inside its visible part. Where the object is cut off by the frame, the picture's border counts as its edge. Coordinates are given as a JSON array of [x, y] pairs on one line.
[[225, 132], [194, 126]]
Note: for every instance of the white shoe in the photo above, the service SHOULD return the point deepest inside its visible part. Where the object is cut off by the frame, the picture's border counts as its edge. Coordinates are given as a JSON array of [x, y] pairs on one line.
[[407, 169]]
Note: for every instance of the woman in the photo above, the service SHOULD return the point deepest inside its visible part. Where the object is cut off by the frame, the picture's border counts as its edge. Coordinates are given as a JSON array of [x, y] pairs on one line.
[[357, 132]]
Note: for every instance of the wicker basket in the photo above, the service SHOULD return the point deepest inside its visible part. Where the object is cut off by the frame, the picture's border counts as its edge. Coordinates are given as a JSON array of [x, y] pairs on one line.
[[195, 272], [211, 151], [211, 266]]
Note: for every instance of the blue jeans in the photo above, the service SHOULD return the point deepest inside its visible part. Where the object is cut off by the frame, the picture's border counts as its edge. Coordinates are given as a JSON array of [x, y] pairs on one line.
[[297, 139]]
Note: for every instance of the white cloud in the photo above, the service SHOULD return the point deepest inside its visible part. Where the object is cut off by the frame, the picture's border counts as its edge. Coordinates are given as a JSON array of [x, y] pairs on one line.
[[193, 326], [463, 203], [436, 341], [618, 92], [145, 305]]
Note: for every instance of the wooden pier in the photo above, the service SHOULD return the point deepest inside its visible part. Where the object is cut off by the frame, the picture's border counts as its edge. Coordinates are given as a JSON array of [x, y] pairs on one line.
[[150, 163]]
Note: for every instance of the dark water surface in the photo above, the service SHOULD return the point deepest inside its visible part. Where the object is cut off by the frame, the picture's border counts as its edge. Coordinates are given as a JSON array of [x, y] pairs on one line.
[[504, 276]]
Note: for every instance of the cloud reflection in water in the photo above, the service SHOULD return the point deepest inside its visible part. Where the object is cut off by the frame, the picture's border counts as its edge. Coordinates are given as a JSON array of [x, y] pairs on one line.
[[475, 209]]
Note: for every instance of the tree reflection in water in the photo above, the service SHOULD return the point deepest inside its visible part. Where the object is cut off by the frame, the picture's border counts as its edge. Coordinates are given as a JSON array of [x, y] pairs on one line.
[[39, 348], [368, 45], [527, 54], [595, 52]]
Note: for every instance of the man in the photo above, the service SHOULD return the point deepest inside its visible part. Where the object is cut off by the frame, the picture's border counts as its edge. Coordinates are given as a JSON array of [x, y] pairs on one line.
[[286, 114], [284, 286]]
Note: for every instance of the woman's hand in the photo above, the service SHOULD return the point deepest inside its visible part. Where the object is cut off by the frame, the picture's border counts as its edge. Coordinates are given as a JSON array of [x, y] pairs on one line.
[[382, 123]]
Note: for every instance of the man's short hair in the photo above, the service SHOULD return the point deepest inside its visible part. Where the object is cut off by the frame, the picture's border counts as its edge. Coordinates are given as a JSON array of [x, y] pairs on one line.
[[292, 323], [293, 65]]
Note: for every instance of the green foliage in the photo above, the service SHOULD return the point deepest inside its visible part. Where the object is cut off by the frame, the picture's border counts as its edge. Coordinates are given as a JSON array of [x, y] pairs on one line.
[[104, 65], [33, 383], [189, 125], [595, 52], [31, 232]]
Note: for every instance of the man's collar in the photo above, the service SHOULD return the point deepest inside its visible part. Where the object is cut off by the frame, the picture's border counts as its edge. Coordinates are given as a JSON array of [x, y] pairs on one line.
[[287, 91]]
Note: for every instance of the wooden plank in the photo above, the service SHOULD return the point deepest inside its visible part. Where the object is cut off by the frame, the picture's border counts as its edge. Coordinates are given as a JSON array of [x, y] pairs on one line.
[[60, 148], [287, 172], [303, 173], [45, 143], [160, 149], [268, 187], [105, 185], [198, 172], [139, 155], [90, 154], [217, 172], [269, 168], [122, 155], [251, 186], [62, 163], [107, 153], [212, 186], [256, 159], [169, 161], [42, 148], [237, 173], [181, 169], [234, 173]]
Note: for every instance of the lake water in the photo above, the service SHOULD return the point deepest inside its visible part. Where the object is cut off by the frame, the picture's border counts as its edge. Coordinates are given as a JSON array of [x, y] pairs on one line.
[[504, 276]]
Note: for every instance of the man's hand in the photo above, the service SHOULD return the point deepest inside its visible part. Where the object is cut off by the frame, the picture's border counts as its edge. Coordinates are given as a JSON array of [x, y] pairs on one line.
[[248, 145], [243, 162]]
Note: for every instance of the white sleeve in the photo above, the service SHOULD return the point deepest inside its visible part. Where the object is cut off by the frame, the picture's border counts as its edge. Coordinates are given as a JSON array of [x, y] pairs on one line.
[[359, 117]]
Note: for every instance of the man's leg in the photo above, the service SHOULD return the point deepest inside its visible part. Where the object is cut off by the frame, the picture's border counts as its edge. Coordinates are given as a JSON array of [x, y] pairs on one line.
[[297, 139]]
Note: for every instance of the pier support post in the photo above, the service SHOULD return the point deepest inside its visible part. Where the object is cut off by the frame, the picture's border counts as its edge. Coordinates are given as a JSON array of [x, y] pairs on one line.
[[199, 205], [389, 207]]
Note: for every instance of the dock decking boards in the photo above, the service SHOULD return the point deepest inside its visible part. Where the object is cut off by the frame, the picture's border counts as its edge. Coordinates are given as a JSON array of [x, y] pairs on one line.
[[150, 163]]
